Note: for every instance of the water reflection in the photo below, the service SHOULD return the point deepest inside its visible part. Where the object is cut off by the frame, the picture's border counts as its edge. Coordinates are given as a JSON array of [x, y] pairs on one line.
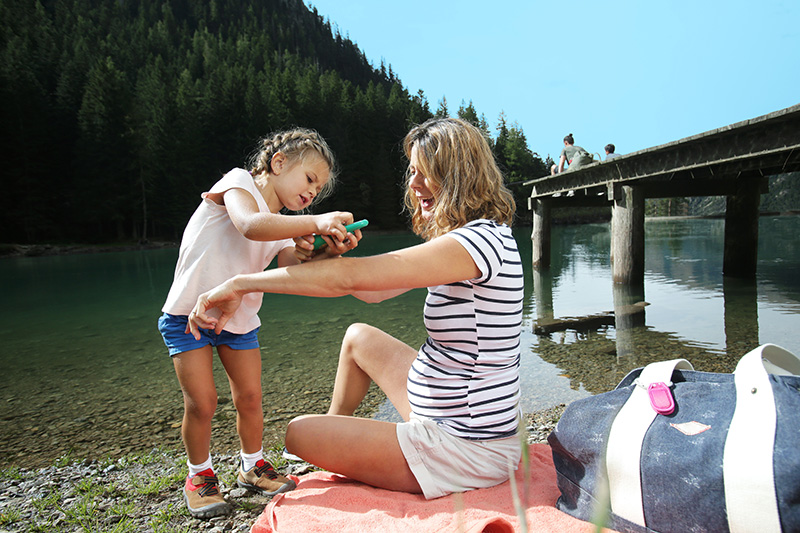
[[685, 309], [84, 368], [741, 315], [629, 305]]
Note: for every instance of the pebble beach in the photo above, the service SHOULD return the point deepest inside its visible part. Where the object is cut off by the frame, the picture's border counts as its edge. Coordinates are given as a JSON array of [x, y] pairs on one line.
[[142, 491]]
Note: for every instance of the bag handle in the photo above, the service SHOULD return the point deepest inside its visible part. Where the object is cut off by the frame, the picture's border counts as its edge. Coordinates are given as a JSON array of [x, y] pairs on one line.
[[624, 448], [747, 459], [747, 462], [774, 360]]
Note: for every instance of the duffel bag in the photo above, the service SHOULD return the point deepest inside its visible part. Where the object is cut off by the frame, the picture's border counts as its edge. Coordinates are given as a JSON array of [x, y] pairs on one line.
[[672, 449]]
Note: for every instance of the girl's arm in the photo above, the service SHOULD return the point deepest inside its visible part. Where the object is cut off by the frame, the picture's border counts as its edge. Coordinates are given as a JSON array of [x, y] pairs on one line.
[[286, 257], [260, 226], [440, 261]]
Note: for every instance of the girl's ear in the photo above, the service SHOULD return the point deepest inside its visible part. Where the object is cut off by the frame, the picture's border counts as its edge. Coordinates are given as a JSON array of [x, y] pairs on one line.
[[277, 163]]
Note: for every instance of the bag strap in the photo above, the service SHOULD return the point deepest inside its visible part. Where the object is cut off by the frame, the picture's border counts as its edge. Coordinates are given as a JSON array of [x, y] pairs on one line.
[[779, 361], [624, 448], [747, 462]]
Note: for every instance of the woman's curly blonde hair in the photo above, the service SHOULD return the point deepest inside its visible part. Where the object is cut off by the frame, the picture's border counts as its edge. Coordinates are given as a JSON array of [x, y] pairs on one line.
[[296, 145], [456, 158]]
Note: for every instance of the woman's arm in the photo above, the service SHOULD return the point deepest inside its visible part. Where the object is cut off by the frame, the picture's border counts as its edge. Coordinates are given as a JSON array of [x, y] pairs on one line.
[[373, 297], [440, 261]]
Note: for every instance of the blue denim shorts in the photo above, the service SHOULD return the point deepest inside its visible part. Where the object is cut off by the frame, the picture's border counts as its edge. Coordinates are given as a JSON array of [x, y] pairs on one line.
[[173, 330]]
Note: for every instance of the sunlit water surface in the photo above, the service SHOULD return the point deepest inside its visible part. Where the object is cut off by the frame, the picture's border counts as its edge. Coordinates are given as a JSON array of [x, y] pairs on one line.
[[85, 370]]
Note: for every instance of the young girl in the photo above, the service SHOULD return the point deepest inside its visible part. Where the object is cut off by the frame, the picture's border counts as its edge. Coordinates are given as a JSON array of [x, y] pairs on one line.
[[459, 393], [238, 229]]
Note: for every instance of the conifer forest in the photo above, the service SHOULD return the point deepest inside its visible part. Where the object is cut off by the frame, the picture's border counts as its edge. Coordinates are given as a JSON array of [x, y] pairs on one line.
[[117, 115]]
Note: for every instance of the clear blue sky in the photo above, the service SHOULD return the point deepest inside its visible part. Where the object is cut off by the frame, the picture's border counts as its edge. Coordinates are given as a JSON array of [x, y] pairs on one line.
[[637, 73]]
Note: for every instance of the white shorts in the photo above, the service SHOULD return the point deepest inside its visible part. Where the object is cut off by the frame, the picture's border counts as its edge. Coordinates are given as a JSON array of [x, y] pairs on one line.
[[444, 463]]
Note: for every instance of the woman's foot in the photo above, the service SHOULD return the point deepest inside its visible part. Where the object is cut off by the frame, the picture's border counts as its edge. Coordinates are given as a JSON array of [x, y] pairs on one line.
[[290, 456]]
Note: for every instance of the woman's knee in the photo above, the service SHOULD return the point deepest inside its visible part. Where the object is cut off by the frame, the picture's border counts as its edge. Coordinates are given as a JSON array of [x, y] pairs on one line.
[[296, 432], [356, 336], [355, 331]]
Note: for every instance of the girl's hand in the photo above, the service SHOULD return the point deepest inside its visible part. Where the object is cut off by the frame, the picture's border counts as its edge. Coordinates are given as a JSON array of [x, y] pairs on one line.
[[333, 224], [225, 298]]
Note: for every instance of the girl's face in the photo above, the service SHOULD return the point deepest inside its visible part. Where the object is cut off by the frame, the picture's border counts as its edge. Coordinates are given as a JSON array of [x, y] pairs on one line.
[[424, 190], [299, 182]]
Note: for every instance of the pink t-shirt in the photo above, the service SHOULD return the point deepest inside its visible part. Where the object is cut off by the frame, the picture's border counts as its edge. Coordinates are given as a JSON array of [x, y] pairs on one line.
[[212, 251]]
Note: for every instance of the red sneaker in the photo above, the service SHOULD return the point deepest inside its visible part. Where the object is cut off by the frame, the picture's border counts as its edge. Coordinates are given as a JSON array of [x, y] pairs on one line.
[[263, 479], [202, 496]]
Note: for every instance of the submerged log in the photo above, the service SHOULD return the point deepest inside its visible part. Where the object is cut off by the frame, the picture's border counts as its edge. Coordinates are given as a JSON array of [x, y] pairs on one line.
[[585, 323], [577, 323]]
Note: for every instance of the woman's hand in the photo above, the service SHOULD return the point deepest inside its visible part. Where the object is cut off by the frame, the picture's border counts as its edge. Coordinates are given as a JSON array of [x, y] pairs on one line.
[[223, 297], [304, 246]]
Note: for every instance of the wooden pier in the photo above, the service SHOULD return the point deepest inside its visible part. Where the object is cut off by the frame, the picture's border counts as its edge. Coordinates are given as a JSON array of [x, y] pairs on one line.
[[733, 161]]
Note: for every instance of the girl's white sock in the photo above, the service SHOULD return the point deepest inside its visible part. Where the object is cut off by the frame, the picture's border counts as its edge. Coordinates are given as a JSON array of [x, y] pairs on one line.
[[249, 460], [196, 469]]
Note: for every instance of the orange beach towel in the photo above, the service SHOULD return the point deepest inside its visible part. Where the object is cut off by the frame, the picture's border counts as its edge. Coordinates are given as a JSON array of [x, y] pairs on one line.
[[324, 502]]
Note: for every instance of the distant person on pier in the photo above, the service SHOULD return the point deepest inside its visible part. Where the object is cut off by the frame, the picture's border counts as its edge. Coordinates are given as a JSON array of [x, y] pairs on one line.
[[573, 156], [610, 152]]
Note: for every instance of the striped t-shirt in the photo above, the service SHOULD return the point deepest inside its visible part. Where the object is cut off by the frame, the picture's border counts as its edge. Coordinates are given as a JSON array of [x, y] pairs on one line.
[[466, 375]]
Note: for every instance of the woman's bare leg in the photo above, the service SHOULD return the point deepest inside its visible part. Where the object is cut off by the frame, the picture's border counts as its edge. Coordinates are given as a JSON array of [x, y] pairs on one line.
[[360, 448], [368, 354]]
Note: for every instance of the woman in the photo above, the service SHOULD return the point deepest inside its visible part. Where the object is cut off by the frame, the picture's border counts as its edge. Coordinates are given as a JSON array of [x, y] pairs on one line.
[[459, 393], [571, 155]]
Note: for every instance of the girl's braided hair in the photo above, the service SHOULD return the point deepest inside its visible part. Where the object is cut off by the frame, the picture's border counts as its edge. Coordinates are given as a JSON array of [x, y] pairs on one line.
[[296, 145]]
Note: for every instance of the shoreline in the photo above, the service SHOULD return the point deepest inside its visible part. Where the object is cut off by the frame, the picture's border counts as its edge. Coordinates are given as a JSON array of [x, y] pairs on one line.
[[142, 492], [51, 249], [47, 250]]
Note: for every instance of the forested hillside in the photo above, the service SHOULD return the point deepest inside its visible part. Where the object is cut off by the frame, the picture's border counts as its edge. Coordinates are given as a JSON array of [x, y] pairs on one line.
[[117, 115]]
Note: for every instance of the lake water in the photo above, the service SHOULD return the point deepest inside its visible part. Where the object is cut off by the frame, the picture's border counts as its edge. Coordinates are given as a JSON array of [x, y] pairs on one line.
[[85, 371]]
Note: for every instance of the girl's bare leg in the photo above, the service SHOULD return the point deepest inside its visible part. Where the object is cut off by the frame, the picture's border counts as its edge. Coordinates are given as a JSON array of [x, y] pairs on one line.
[[194, 371], [244, 375]]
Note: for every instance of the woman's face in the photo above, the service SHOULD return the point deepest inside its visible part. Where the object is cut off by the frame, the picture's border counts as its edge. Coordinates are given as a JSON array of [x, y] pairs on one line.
[[423, 189]]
